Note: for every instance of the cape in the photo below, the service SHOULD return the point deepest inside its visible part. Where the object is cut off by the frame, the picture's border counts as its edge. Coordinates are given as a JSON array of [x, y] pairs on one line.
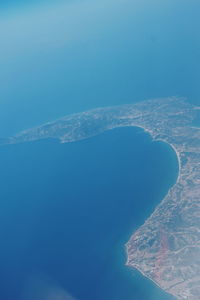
[[166, 248]]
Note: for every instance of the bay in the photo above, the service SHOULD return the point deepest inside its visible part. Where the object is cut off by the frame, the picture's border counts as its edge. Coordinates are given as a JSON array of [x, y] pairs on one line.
[[67, 210]]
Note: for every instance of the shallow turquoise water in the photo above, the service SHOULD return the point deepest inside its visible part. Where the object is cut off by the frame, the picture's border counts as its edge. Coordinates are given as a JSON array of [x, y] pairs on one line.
[[67, 209]]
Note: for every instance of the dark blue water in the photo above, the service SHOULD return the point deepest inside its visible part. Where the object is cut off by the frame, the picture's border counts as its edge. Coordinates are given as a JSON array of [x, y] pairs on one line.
[[66, 211]]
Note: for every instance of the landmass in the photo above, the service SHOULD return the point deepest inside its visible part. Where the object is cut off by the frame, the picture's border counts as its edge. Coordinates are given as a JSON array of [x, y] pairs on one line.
[[166, 248]]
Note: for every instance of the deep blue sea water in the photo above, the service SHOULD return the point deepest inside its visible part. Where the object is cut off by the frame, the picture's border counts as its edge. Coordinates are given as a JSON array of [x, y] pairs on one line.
[[66, 211]]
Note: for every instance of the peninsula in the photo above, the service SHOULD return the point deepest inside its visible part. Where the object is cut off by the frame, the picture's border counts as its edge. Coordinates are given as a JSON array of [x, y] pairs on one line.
[[166, 248]]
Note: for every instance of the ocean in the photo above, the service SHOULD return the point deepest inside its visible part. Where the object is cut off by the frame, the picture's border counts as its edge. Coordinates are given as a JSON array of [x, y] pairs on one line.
[[67, 210]]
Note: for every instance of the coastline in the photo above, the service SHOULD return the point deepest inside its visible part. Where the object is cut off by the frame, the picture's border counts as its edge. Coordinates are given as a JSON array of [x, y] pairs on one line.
[[145, 276], [177, 180], [163, 243]]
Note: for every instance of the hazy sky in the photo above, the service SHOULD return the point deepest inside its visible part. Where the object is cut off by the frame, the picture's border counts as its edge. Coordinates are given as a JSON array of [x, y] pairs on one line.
[[59, 57]]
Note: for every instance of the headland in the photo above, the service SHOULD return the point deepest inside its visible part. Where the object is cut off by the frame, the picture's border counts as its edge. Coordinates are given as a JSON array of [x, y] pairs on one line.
[[166, 248]]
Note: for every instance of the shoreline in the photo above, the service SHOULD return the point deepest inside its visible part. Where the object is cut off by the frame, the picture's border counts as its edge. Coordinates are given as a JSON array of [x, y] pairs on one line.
[[150, 279], [174, 220], [172, 187]]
